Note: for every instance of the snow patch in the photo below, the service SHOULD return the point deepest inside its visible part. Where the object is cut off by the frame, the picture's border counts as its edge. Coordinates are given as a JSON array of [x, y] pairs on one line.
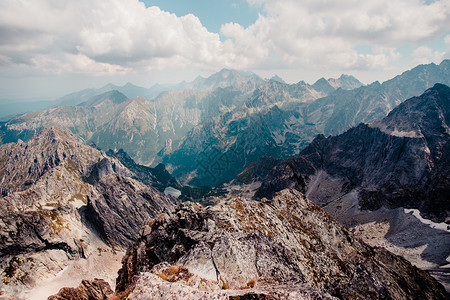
[[172, 191], [410, 134], [440, 226]]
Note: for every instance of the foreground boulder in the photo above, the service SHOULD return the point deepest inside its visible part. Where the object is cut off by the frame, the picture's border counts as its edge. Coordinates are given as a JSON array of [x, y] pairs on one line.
[[96, 289], [284, 248]]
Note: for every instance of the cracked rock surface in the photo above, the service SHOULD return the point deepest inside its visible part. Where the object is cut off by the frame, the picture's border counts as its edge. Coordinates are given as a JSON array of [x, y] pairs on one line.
[[284, 248]]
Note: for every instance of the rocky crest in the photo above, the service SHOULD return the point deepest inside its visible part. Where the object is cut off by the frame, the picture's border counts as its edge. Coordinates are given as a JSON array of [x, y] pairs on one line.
[[61, 201], [284, 248]]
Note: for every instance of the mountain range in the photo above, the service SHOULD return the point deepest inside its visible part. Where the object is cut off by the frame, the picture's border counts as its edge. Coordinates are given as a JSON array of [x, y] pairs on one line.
[[255, 155], [148, 129], [278, 120], [210, 131]]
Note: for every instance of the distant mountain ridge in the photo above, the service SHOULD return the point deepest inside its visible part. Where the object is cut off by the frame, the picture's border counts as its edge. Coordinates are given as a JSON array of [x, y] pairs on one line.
[[223, 78], [208, 133], [140, 126], [278, 120]]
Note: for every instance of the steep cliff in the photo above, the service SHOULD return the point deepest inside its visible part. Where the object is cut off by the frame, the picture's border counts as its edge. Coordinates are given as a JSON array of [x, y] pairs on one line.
[[61, 201]]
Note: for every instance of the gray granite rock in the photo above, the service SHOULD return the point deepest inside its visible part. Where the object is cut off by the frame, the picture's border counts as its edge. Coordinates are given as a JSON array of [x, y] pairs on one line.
[[287, 241]]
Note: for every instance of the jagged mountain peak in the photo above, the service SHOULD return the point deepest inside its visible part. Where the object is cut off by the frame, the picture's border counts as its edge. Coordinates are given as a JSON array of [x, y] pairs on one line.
[[429, 74], [225, 73], [347, 77], [129, 84], [111, 97], [57, 133], [22, 164], [345, 82], [425, 115], [323, 85], [51, 139], [231, 75], [109, 87], [225, 78], [277, 78]]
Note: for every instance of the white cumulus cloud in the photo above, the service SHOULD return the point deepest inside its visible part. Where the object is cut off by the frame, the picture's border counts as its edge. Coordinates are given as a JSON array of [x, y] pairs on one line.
[[426, 55], [325, 33], [123, 36], [102, 35]]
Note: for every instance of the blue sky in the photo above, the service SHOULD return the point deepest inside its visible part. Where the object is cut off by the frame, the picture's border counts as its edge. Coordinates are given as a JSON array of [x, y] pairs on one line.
[[212, 13], [50, 48]]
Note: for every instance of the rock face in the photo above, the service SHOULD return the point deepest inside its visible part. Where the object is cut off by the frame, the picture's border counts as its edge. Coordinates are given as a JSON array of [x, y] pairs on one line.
[[158, 177], [120, 205], [400, 161], [284, 248], [61, 201]]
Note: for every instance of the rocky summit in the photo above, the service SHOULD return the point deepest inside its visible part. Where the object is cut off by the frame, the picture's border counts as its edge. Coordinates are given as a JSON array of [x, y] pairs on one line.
[[64, 207], [284, 248]]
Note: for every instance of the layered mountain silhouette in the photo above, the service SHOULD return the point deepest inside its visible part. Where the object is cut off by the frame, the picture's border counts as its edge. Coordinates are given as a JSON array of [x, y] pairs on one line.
[[278, 120], [150, 129]]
